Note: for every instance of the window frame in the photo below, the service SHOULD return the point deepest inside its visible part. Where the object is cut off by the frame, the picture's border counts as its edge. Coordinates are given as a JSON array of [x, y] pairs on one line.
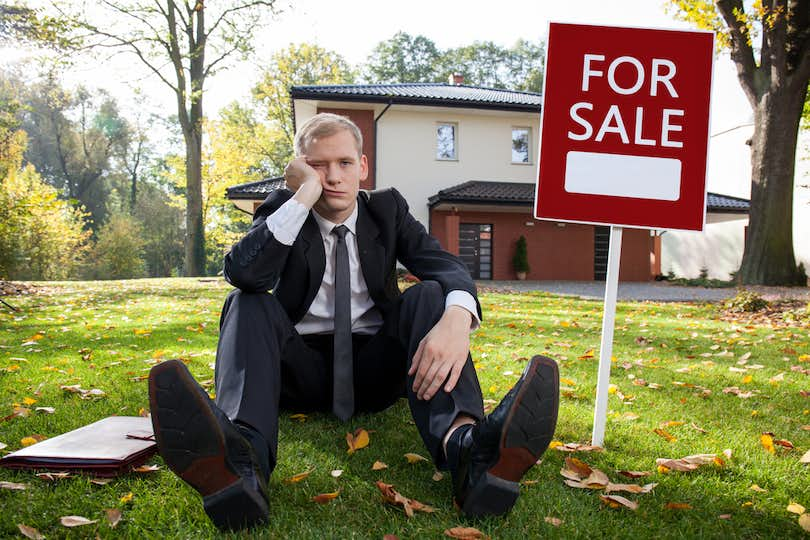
[[528, 131], [454, 125]]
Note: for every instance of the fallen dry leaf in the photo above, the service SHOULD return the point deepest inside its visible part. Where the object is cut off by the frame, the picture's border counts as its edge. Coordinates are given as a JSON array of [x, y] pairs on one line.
[[685, 464], [766, 439], [724, 516], [663, 433], [577, 467], [126, 498], [113, 516], [294, 479], [33, 439], [437, 476], [336, 473], [390, 537], [147, 468], [795, 508], [300, 417], [678, 506], [615, 501], [575, 447], [634, 474], [324, 498], [465, 533], [378, 466], [596, 480], [805, 458], [553, 521], [13, 485], [804, 522], [755, 487], [53, 476], [393, 497], [101, 481], [75, 521], [630, 488], [30, 532], [413, 458], [697, 428], [357, 440], [46, 410]]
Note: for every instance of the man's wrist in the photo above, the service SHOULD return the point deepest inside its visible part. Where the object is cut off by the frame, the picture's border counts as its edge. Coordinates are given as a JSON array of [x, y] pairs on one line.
[[309, 193]]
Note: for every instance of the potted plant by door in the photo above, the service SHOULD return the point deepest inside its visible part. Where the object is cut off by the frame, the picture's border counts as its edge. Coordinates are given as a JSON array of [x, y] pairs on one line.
[[520, 262]]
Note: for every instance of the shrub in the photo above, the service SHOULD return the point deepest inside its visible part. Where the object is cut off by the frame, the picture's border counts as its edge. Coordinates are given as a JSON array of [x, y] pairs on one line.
[[41, 236], [520, 261], [119, 250], [746, 301]]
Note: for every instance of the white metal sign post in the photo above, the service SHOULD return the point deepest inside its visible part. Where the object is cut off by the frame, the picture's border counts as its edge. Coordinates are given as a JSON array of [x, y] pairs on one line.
[[606, 348], [623, 142]]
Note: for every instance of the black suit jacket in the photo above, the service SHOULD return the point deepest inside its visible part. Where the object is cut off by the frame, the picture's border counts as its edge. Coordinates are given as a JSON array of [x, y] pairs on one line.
[[386, 233]]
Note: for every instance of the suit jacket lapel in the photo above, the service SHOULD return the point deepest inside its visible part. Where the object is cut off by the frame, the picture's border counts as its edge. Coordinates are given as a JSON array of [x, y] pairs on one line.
[[312, 244], [371, 251]]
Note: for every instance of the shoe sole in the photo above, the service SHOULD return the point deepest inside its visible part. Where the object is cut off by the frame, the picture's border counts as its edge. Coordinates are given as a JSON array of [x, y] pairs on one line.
[[528, 430], [192, 444]]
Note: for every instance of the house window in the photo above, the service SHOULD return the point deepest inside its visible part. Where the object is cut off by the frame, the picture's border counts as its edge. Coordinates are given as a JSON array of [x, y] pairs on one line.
[[446, 141], [520, 145]]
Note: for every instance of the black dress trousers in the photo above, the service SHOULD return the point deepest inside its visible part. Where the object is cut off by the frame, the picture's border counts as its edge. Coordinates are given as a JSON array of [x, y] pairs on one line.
[[264, 365]]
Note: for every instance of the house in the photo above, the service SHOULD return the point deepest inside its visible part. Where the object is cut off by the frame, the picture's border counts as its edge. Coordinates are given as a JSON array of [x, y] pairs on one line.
[[465, 159]]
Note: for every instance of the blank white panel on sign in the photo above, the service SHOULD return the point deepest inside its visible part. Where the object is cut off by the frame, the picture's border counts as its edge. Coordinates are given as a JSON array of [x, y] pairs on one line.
[[618, 175]]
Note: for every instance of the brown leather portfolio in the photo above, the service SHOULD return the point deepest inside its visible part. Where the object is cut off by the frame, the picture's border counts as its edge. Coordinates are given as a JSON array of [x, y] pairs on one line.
[[109, 447]]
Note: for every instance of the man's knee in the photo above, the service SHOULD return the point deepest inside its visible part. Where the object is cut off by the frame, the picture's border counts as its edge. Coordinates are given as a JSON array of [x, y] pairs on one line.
[[425, 290]]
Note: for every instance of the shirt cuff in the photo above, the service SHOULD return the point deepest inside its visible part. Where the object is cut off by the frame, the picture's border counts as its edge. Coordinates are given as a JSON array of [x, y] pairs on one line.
[[286, 222], [465, 300]]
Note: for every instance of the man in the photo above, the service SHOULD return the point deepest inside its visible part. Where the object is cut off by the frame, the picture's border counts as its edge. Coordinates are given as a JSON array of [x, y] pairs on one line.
[[337, 335]]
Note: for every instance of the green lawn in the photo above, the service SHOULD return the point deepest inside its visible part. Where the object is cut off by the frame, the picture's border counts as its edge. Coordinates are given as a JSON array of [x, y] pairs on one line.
[[107, 335]]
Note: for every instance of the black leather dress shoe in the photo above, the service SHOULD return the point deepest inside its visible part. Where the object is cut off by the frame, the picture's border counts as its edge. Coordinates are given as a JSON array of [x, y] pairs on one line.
[[491, 457], [203, 447]]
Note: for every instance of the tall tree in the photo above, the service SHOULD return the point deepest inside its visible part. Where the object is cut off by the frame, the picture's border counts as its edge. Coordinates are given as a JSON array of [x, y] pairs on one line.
[[181, 42], [403, 58], [485, 63], [769, 41], [407, 59], [72, 140]]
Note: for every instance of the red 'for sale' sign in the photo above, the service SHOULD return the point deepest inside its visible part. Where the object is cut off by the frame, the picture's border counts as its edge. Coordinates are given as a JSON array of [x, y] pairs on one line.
[[625, 127]]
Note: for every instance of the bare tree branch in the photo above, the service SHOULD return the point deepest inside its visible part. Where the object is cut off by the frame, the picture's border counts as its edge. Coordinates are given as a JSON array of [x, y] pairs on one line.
[[210, 68], [225, 13]]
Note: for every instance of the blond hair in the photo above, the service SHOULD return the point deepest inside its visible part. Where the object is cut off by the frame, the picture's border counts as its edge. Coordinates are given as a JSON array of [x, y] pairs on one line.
[[325, 125]]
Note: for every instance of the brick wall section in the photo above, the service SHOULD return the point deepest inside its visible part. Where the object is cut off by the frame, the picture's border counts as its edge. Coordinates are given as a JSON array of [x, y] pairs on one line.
[[365, 121], [555, 252]]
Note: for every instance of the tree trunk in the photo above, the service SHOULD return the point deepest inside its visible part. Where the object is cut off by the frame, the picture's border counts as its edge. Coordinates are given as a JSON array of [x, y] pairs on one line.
[[195, 233], [769, 258]]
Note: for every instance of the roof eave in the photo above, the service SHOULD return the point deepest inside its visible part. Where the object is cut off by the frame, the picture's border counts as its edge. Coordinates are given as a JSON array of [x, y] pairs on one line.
[[428, 102]]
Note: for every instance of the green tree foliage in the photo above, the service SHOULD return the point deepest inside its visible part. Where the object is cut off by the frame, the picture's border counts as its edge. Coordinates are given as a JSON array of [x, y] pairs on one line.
[[182, 43], [118, 252], [769, 43], [41, 236], [74, 136], [302, 64], [407, 59], [21, 24], [403, 58], [162, 225]]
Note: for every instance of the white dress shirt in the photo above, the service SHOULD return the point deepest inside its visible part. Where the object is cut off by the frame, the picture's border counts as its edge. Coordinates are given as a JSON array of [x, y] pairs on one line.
[[285, 224]]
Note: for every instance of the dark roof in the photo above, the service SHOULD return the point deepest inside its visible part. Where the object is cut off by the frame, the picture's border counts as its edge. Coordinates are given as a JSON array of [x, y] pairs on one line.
[[255, 190], [518, 193], [434, 94], [480, 192]]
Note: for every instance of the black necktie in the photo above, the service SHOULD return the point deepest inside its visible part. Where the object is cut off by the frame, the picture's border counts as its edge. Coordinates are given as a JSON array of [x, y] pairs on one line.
[[343, 383]]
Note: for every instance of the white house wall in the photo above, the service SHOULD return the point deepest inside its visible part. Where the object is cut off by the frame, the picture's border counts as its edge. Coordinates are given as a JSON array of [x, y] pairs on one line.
[[719, 248], [406, 151]]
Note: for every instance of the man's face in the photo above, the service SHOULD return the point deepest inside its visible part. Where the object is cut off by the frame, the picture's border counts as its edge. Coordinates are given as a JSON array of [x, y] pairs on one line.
[[341, 169]]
